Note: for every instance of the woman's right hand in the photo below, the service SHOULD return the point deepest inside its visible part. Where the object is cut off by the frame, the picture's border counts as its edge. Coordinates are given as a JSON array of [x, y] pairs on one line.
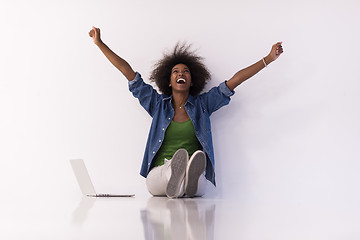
[[95, 35]]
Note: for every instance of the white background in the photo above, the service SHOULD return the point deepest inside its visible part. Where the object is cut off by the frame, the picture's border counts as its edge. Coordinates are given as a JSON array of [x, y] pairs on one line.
[[291, 133]]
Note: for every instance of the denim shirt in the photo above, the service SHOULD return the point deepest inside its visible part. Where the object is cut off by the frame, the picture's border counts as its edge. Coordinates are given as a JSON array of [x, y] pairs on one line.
[[199, 108]]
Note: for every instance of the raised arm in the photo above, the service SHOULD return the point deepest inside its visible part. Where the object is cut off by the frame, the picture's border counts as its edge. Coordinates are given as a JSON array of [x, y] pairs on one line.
[[117, 61], [250, 71]]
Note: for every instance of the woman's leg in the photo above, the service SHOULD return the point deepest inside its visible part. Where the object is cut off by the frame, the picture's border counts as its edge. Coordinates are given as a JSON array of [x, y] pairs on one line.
[[168, 179], [157, 179]]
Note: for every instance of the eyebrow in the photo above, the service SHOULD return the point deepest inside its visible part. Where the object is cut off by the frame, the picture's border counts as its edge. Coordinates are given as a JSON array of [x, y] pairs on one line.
[[178, 68]]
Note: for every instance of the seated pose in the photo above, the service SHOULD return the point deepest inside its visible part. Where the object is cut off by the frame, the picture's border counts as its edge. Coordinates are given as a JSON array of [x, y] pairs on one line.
[[179, 155]]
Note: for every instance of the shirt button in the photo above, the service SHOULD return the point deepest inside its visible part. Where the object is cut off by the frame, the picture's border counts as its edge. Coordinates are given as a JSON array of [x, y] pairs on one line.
[[160, 140], [169, 118], [163, 129], [153, 152]]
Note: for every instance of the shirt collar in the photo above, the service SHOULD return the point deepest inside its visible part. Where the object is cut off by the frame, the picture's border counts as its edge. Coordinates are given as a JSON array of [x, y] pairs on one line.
[[190, 99]]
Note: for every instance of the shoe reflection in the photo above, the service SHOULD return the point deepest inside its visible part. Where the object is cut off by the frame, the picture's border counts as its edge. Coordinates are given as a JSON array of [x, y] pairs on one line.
[[184, 218]]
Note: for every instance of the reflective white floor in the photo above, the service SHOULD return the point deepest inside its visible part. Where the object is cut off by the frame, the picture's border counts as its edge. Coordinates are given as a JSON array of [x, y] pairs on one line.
[[162, 218]]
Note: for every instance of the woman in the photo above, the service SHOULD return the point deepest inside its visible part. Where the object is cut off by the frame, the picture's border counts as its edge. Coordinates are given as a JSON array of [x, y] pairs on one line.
[[181, 123]]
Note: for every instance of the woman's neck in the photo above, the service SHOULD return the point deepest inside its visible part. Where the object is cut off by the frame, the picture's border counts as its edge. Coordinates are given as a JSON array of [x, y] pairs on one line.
[[179, 99]]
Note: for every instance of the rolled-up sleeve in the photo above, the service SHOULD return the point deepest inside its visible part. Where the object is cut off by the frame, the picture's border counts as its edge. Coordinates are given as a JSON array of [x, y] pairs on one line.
[[225, 90], [135, 80], [145, 93], [216, 98]]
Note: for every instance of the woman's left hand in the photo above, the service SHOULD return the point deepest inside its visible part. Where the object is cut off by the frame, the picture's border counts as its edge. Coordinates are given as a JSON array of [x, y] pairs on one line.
[[275, 52]]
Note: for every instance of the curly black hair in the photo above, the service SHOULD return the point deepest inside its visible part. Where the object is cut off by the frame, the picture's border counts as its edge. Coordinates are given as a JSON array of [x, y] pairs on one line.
[[181, 54]]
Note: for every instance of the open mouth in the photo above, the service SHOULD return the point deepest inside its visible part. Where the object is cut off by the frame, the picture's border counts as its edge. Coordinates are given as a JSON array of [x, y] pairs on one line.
[[181, 81]]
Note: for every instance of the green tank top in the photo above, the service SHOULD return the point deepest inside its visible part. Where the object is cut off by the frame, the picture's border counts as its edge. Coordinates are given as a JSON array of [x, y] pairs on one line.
[[178, 135]]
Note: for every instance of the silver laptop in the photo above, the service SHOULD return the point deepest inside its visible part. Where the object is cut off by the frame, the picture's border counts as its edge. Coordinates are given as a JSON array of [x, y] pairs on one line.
[[86, 186]]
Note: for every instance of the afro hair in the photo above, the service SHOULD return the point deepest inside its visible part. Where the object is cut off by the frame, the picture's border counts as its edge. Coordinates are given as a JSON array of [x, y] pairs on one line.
[[181, 54]]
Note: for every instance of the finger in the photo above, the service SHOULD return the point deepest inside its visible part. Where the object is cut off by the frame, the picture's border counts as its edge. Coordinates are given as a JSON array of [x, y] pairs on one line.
[[94, 30], [278, 44], [97, 30]]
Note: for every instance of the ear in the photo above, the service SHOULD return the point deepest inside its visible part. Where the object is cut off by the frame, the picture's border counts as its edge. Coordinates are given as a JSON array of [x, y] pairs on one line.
[[169, 84]]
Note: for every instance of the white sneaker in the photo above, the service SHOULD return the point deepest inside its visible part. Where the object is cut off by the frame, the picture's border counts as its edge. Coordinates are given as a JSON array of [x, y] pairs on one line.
[[178, 165], [195, 168]]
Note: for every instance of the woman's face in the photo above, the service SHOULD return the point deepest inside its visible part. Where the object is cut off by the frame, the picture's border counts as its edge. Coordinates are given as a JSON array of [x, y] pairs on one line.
[[180, 78]]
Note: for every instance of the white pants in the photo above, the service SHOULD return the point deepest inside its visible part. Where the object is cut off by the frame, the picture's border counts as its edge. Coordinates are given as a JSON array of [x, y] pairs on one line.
[[158, 177]]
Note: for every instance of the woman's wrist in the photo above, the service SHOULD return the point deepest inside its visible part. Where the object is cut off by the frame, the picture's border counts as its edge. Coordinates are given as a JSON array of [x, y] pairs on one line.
[[99, 43], [267, 60]]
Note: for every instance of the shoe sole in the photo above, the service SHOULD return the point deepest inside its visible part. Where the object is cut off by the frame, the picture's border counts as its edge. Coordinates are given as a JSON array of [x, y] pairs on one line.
[[195, 169], [178, 168]]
